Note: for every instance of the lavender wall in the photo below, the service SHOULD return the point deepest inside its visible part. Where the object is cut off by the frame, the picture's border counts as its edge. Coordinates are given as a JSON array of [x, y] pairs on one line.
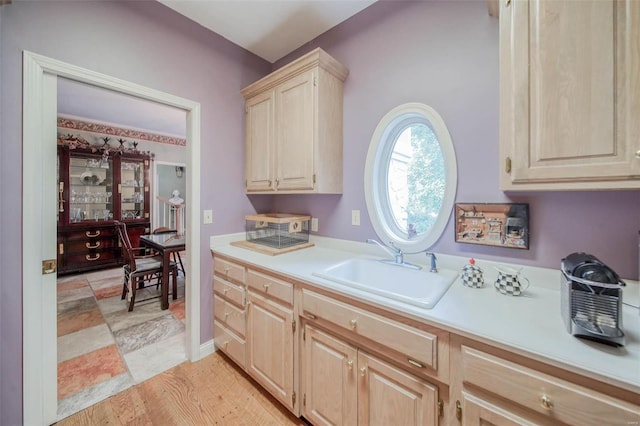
[[445, 54], [146, 43]]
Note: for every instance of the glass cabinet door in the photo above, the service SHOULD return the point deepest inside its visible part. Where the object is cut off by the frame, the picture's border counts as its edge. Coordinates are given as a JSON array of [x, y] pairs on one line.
[[132, 189], [90, 189]]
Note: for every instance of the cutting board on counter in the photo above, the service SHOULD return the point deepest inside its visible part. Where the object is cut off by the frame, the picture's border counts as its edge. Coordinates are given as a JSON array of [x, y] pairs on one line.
[[272, 251]]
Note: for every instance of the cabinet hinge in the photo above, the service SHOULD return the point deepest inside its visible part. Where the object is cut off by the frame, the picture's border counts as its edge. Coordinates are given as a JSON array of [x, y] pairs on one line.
[[246, 183], [315, 81], [146, 162], [507, 164], [304, 334], [304, 399], [440, 408], [61, 248], [314, 178], [293, 398], [246, 109], [293, 326]]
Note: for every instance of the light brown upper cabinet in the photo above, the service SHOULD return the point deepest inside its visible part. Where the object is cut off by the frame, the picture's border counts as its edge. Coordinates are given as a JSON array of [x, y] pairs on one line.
[[294, 127], [569, 94]]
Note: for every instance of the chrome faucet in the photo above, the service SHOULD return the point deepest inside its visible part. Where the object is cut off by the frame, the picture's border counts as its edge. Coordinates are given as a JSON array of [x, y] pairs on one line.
[[434, 265], [398, 255]]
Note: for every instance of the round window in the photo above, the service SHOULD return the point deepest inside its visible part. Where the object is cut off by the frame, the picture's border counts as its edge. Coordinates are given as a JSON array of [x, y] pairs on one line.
[[410, 177]]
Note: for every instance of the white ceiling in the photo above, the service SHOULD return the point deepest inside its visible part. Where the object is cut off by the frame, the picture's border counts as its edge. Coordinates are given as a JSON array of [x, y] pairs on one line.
[[270, 29]]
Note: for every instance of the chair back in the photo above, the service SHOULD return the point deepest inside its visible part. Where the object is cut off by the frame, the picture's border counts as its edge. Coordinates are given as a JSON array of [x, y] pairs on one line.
[[163, 230], [127, 248]]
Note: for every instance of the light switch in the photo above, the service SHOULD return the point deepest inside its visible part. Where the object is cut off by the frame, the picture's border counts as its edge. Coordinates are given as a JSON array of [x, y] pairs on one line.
[[314, 224], [355, 217], [207, 216]]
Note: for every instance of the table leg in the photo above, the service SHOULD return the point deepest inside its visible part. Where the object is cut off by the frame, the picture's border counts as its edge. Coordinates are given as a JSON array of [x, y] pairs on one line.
[[165, 279]]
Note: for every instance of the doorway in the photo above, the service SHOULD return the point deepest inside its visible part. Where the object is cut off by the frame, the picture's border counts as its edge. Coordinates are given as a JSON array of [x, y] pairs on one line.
[[39, 222]]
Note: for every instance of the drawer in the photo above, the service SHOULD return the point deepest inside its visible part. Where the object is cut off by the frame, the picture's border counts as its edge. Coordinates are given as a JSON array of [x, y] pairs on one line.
[[78, 246], [561, 400], [231, 292], [91, 257], [91, 234], [270, 286], [418, 347], [229, 343], [228, 270], [229, 315]]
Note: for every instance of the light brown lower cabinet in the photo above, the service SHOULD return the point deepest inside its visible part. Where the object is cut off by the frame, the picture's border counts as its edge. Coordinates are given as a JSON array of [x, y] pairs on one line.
[[270, 332], [355, 364], [343, 385]]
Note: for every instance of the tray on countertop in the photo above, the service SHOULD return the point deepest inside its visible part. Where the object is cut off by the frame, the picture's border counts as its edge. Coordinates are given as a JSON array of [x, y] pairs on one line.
[[261, 248]]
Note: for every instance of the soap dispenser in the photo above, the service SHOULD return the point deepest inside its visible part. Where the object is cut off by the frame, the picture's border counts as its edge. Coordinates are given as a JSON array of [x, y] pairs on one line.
[[472, 275]]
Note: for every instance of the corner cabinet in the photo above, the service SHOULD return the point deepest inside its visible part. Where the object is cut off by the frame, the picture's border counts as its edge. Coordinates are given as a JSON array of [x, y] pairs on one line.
[[294, 128], [569, 95], [93, 191]]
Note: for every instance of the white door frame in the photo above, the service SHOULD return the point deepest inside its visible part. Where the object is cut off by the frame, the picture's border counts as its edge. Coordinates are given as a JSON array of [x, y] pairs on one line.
[[39, 103], [155, 206]]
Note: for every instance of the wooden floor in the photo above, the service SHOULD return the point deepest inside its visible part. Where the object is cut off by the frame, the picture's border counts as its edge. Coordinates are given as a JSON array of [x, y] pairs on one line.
[[211, 391]]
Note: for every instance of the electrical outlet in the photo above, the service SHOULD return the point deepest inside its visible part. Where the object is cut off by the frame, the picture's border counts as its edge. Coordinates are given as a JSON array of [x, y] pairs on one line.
[[355, 217], [314, 224], [207, 216]]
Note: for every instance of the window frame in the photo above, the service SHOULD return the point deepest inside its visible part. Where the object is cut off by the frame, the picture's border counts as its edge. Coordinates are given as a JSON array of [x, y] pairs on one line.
[[376, 170]]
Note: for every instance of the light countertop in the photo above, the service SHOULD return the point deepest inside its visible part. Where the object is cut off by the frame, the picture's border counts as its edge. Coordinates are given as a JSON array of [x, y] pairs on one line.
[[530, 324]]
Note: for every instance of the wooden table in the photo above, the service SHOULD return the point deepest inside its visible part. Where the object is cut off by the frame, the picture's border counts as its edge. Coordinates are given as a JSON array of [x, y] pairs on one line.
[[165, 244]]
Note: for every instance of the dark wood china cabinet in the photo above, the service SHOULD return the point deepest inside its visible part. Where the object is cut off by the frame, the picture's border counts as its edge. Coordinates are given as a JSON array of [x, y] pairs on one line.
[[96, 186]]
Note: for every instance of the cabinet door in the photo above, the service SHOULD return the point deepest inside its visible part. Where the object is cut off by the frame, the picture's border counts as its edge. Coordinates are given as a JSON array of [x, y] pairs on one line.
[[270, 332], [260, 147], [388, 396], [476, 412], [570, 73], [330, 380], [295, 133]]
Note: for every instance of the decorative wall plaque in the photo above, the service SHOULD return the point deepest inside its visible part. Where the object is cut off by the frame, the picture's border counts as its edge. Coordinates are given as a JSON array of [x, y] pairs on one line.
[[492, 224]]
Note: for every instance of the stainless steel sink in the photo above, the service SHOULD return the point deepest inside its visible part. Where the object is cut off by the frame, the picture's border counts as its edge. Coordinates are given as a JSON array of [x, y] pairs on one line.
[[419, 288]]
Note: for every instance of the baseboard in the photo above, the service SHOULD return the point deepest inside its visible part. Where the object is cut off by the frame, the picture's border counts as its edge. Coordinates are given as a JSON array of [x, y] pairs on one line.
[[207, 349]]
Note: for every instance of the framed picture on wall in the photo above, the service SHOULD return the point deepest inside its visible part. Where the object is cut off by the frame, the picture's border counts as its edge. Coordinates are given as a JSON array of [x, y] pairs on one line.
[[493, 224]]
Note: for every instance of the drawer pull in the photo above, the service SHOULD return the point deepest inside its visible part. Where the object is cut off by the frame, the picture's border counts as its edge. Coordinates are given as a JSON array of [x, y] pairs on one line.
[[89, 246], [266, 287], [90, 235], [91, 259], [350, 364], [545, 401], [225, 344], [226, 270], [311, 316], [225, 291], [353, 323], [415, 363], [363, 371], [226, 315]]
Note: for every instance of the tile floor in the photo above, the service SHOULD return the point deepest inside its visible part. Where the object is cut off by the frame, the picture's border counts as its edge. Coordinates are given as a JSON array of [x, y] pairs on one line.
[[103, 348]]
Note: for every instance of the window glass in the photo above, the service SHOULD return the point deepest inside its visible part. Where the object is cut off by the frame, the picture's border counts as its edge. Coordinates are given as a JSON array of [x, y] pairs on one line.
[[410, 177]]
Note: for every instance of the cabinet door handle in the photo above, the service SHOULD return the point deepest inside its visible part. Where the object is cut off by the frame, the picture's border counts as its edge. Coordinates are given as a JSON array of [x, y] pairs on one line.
[[353, 323], [269, 183], [89, 246], [507, 3], [90, 235], [363, 371], [91, 259], [277, 183], [638, 153], [350, 364], [546, 402], [507, 164], [415, 363]]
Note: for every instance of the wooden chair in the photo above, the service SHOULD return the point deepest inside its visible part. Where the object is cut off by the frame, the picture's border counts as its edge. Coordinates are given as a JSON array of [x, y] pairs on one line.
[[140, 269], [176, 254]]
